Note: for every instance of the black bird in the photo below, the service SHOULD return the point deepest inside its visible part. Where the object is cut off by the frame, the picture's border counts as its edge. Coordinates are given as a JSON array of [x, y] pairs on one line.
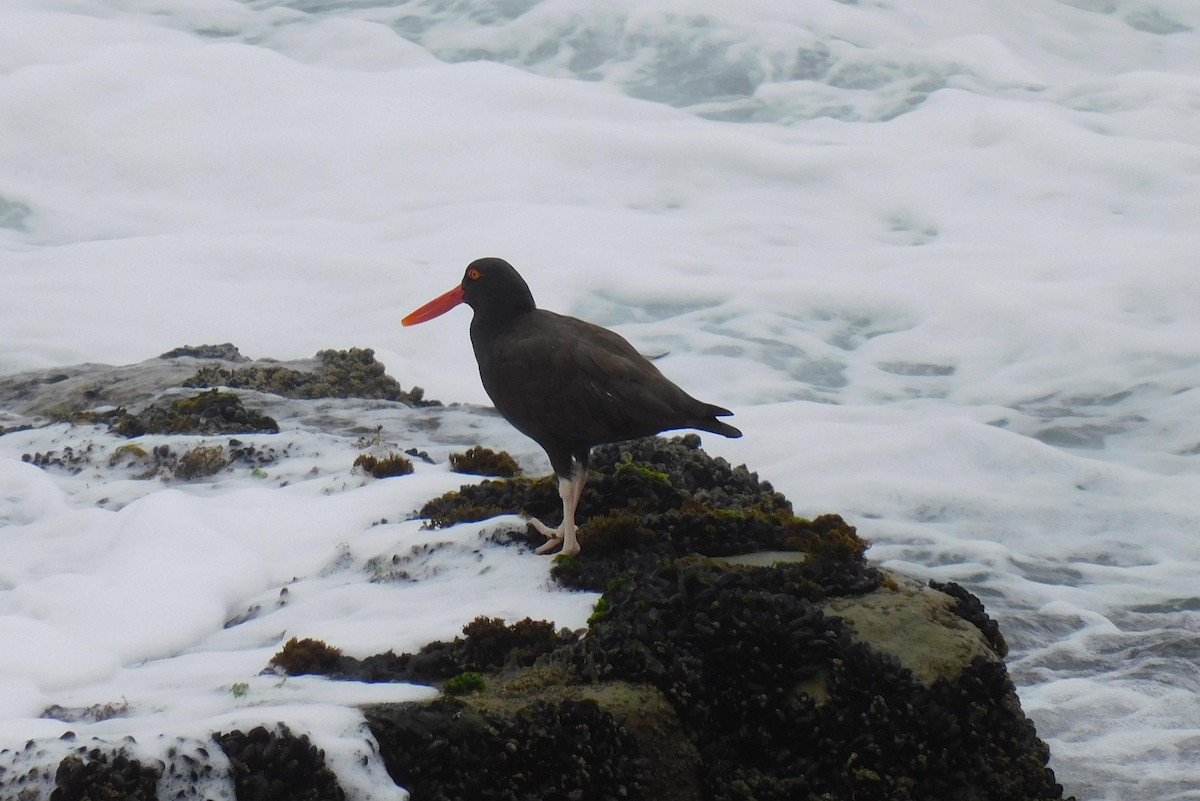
[[563, 382]]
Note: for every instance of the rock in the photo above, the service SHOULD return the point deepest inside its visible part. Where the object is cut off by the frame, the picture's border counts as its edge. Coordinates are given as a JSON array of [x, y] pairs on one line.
[[276, 764], [211, 412], [94, 774], [64, 393], [225, 351], [921, 626], [729, 682], [534, 737], [350, 373], [796, 672], [917, 625]]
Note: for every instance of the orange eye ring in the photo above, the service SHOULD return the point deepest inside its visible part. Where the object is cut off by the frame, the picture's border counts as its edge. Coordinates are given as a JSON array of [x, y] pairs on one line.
[[474, 275]]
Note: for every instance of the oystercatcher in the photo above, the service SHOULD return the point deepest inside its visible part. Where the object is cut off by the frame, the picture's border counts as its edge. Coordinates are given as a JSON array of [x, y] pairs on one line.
[[565, 383]]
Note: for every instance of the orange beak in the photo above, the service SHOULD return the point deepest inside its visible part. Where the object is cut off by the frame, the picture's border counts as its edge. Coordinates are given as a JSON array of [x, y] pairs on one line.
[[436, 307]]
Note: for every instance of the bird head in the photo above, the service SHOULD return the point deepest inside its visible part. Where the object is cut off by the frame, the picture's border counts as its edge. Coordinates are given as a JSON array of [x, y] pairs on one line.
[[490, 286]]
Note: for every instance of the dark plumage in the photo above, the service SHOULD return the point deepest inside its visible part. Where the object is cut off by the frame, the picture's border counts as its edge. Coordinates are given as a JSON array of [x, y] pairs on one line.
[[563, 382]]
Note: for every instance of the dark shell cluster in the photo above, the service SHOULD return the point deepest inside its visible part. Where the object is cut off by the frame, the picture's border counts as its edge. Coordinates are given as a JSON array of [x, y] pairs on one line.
[[69, 459], [970, 609], [262, 764], [487, 645], [779, 699], [650, 476], [277, 765], [94, 774], [67, 770], [265, 765], [162, 460], [352, 373], [567, 749]]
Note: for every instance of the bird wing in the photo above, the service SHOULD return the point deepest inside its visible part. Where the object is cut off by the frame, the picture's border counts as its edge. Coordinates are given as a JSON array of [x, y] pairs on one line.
[[572, 381]]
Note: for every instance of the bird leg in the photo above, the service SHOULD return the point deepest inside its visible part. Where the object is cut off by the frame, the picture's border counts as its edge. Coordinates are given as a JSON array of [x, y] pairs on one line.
[[570, 490]]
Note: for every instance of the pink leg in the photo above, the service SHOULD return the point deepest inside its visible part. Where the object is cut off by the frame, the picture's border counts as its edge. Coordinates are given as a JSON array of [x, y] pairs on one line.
[[570, 490]]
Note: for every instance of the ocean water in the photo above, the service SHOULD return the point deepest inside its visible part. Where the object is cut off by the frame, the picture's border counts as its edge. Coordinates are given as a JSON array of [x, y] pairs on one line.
[[939, 258]]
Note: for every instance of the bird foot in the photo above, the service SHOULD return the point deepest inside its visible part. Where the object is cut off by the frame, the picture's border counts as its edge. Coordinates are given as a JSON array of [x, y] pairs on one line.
[[554, 539]]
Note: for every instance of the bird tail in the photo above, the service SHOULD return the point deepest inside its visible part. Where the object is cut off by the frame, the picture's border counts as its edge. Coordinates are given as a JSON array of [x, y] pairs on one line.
[[714, 425]]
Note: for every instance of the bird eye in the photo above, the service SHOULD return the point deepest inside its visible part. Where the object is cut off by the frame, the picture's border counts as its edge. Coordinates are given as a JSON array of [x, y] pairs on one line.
[[474, 275]]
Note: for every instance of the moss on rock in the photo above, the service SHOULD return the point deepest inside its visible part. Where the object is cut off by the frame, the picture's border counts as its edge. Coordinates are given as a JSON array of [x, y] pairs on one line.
[[300, 657], [465, 683], [480, 461], [384, 466], [201, 461]]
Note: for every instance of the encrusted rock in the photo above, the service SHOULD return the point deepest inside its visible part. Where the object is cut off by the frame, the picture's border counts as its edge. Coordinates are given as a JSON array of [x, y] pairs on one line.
[[539, 740], [275, 764], [969, 608], [800, 675], [211, 412], [656, 499], [488, 645], [78, 393], [95, 774], [225, 352], [919, 626], [350, 373]]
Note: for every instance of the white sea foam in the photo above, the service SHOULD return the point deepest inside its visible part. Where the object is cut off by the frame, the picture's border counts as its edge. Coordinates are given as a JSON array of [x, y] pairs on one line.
[[939, 259]]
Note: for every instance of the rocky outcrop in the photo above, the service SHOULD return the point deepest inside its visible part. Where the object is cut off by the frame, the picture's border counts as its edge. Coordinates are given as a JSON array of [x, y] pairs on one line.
[[730, 685], [796, 671], [737, 651]]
